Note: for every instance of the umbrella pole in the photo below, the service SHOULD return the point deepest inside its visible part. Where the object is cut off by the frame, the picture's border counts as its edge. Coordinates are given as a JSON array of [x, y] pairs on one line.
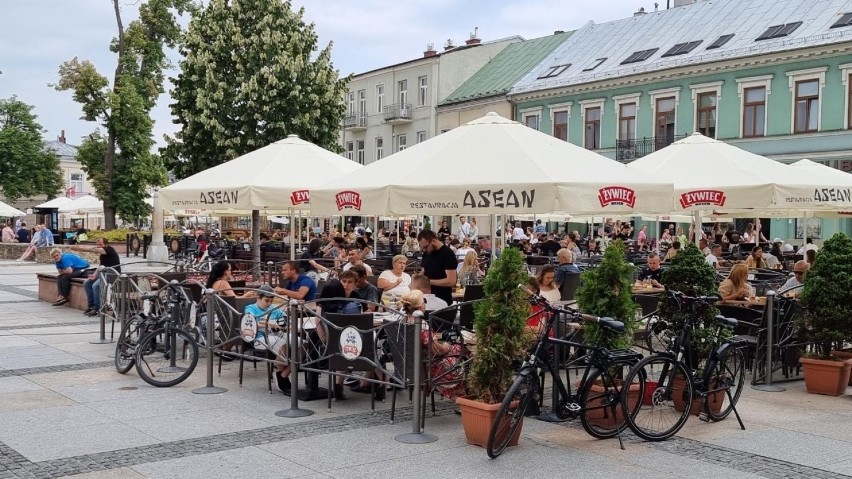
[[255, 242], [494, 242], [292, 240], [375, 235], [659, 235], [696, 219]]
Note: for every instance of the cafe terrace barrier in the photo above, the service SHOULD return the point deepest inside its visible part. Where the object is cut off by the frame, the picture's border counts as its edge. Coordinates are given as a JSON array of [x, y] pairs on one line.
[[778, 348]]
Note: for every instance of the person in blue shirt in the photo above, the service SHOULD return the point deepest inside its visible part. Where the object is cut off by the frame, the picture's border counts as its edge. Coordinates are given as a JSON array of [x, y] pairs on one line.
[[46, 236], [268, 321], [296, 286], [69, 266]]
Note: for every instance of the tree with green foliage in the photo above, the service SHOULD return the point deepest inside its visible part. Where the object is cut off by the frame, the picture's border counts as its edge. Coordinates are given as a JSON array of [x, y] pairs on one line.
[[248, 79], [26, 169], [690, 273], [121, 163], [607, 290], [500, 320], [827, 297]]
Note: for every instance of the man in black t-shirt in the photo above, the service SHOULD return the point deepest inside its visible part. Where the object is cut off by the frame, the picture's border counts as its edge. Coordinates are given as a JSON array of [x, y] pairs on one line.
[[652, 271], [108, 257], [439, 265], [443, 232]]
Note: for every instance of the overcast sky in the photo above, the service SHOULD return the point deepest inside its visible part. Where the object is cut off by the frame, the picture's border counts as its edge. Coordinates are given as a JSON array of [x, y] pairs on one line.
[[36, 36]]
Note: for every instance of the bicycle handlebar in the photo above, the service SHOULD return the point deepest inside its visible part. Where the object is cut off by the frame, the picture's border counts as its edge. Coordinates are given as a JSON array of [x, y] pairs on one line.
[[694, 299], [542, 301]]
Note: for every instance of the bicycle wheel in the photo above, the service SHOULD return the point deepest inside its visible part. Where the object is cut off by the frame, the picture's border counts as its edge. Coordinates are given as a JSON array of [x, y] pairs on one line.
[[125, 348], [726, 376], [511, 413], [665, 403], [166, 357], [602, 414]]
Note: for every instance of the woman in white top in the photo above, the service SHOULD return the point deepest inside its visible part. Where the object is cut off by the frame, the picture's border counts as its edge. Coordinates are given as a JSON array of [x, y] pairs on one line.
[[395, 281], [463, 249], [474, 230], [546, 287]]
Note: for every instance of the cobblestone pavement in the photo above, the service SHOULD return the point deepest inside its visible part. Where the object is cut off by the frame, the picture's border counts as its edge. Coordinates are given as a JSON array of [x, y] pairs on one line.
[[65, 411]]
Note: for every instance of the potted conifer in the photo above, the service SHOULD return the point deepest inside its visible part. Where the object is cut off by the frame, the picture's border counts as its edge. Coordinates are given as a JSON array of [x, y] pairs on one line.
[[500, 319], [826, 299]]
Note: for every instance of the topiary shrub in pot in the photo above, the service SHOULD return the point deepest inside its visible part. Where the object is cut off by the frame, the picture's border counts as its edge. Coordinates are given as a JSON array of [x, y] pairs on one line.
[[499, 322], [826, 323], [690, 274]]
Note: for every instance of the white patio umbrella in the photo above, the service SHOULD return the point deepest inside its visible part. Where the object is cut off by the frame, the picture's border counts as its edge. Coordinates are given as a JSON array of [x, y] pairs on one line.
[[278, 176], [56, 202], [712, 175], [493, 165], [83, 205], [7, 211]]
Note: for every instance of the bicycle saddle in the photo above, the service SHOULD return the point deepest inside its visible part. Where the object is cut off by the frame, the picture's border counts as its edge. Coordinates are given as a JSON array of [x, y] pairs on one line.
[[726, 321], [611, 324]]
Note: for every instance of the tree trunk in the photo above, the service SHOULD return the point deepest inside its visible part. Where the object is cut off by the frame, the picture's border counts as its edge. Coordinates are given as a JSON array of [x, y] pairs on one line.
[[109, 159]]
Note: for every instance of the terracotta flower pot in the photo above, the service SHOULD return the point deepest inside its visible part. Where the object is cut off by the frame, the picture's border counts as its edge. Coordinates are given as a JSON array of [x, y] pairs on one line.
[[477, 418], [603, 417], [843, 354], [825, 376]]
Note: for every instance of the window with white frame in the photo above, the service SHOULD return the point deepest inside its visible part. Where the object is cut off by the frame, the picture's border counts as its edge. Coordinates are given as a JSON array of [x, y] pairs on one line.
[[592, 113], [664, 111], [402, 88], [401, 142], [846, 80], [351, 99], [627, 109], [350, 150], [380, 98], [380, 148], [531, 117], [359, 150], [422, 99], [362, 102], [705, 99], [806, 89], [753, 93], [421, 136], [75, 180], [559, 116]]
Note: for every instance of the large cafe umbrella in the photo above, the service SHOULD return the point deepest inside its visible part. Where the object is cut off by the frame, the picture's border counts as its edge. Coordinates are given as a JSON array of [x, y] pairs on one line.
[[712, 175], [493, 165], [7, 211], [276, 178]]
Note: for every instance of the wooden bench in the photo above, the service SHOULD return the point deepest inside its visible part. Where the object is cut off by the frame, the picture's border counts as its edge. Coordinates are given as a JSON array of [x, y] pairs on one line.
[[47, 291]]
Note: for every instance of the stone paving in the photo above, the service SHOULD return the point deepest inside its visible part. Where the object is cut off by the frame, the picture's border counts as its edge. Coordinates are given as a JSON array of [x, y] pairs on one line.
[[65, 411]]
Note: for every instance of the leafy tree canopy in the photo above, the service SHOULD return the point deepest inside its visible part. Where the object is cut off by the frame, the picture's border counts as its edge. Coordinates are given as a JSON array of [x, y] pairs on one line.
[[26, 169], [250, 77]]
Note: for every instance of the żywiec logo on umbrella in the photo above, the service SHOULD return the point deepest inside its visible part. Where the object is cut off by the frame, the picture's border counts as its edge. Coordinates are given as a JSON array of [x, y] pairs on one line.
[[348, 199], [702, 197], [616, 195], [300, 197]]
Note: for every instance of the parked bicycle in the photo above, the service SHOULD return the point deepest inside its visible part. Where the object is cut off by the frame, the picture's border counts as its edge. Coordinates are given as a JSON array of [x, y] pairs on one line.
[[716, 382], [598, 398], [168, 354]]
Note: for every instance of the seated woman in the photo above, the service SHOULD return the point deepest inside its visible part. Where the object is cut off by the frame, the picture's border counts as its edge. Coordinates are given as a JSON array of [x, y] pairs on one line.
[[219, 277], [734, 286], [366, 249], [468, 271], [672, 252], [547, 288], [395, 281], [35, 243], [462, 250], [444, 356]]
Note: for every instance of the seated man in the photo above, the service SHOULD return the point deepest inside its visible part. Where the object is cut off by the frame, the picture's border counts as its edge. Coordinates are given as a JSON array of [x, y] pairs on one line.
[[296, 285], [92, 285], [421, 283], [793, 286], [364, 289], [355, 259], [755, 259], [704, 247], [713, 258], [69, 266], [566, 265], [652, 271]]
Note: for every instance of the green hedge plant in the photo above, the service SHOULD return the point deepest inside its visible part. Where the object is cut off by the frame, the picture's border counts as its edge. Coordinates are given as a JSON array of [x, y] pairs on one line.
[[500, 320], [827, 298]]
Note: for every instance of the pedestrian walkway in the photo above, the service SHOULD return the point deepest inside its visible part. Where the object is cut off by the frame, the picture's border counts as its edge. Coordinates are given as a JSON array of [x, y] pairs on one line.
[[65, 411]]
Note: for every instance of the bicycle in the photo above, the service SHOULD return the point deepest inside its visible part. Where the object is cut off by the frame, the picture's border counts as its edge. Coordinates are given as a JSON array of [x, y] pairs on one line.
[[598, 399], [168, 354], [718, 384]]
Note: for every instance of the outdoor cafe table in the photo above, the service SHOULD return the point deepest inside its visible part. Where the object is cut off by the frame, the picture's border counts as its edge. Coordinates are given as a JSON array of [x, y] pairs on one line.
[[756, 302], [638, 289]]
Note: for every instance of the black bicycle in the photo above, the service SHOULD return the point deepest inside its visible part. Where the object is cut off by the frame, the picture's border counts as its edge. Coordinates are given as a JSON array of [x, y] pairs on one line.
[[168, 354], [598, 398], [716, 384]]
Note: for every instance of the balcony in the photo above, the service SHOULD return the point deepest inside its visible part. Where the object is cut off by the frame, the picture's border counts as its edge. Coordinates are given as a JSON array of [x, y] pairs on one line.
[[398, 113], [355, 122], [629, 150]]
